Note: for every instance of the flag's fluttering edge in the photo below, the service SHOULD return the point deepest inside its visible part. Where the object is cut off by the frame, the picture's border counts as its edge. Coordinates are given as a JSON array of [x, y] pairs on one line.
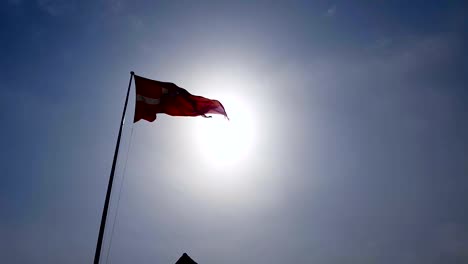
[[154, 97]]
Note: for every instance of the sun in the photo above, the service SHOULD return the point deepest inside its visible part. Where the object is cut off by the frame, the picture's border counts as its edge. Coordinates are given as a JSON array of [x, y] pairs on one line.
[[224, 143]]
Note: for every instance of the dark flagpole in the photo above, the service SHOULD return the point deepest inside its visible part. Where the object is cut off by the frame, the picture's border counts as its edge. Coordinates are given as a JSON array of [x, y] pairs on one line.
[[111, 180]]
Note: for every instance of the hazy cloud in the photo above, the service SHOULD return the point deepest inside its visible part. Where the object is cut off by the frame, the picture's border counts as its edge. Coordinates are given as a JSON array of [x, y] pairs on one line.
[[331, 11], [422, 54], [56, 7], [383, 42], [114, 6], [136, 23]]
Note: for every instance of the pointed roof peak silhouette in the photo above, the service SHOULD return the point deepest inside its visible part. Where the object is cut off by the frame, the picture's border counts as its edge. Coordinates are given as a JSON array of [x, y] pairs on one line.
[[185, 259]]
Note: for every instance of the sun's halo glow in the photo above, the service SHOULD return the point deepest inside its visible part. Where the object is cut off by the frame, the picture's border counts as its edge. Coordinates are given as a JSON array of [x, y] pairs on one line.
[[225, 142]]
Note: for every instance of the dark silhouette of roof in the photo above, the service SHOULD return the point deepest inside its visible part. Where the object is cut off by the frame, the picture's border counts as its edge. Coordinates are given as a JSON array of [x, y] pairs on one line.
[[185, 259]]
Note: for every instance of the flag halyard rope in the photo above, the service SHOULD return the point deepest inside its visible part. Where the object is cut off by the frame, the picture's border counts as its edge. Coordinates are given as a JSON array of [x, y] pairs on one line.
[[114, 222]]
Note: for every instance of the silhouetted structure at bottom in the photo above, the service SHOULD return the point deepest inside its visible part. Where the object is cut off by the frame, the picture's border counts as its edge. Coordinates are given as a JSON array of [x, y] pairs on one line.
[[185, 259]]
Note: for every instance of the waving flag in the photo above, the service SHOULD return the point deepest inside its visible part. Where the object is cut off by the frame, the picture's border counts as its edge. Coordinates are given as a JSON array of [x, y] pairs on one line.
[[154, 97]]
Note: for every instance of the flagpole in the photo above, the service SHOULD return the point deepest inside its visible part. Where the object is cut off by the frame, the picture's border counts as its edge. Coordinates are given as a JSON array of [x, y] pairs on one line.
[[111, 180]]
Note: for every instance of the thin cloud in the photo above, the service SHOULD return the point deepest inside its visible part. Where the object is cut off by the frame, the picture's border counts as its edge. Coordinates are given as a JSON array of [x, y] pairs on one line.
[[331, 11], [56, 7], [114, 6], [383, 42]]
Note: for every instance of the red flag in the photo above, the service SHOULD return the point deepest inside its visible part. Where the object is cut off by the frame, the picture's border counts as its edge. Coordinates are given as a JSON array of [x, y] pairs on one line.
[[154, 97]]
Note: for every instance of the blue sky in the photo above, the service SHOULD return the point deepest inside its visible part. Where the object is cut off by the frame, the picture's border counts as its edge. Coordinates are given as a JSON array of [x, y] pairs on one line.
[[358, 109]]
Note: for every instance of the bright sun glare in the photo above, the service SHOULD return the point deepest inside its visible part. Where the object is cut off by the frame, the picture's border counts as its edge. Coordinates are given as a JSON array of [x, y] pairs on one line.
[[225, 142]]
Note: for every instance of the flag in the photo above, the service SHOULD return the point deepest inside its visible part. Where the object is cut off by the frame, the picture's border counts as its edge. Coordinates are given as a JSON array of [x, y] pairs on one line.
[[154, 97]]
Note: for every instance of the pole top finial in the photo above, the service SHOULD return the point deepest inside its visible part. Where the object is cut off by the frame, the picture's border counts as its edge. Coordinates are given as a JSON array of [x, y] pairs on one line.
[[132, 73]]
